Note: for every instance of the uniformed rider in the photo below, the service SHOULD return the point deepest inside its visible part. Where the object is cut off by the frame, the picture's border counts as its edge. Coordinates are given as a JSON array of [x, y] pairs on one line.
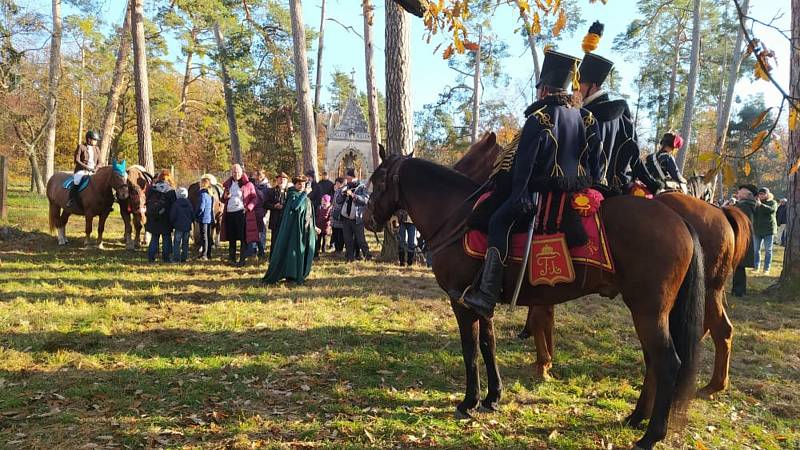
[[87, 156], [620, 145], [662, 166], [557, 150]]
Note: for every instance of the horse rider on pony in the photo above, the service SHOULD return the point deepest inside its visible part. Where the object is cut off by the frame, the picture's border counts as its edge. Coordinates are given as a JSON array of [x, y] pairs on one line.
[[87, 158], [617, 132], [662, 166], [558, 150]]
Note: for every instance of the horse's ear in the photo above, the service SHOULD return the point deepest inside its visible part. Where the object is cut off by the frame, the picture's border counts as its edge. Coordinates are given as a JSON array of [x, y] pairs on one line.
[[411, 155], [491, 139], [382, 151]]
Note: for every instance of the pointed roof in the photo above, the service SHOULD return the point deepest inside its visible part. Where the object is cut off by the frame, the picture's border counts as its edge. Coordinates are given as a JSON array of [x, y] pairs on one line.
[[351, 120]]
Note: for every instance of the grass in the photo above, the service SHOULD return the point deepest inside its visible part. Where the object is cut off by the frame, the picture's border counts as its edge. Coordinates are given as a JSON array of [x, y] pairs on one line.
[[100, 349]]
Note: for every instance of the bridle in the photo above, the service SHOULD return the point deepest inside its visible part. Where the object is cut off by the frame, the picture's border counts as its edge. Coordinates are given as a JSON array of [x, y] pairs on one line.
[[433, 242]]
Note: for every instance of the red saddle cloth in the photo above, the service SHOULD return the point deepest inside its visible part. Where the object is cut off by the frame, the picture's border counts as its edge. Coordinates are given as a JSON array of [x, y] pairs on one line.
[[550, 261]]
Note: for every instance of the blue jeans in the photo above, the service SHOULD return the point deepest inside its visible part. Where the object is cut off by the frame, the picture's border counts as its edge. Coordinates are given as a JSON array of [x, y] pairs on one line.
[[407, 237], [767, 242], [166, 248], [180, 246]]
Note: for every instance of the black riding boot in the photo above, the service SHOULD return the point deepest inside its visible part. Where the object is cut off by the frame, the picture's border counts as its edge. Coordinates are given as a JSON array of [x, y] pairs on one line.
[[73, 196], [483, 299], [401, 256], [410, 258], [232, 251]]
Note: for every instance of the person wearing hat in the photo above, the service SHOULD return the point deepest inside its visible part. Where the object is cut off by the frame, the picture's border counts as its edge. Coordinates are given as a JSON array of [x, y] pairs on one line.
[[87, 158], [557, 150], [661, 165], [293, 253], [745, 201], [353, 200], [620, 157], [274, 202], [765, 226]]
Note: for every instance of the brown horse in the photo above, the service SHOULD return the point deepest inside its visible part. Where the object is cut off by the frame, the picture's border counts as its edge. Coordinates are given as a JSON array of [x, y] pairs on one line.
[[724, 235], [97, 200], [663, 289], [133, 209], [217, 206]]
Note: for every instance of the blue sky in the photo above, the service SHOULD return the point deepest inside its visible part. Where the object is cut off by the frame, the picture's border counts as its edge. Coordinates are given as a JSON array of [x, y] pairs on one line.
[[344, 50]]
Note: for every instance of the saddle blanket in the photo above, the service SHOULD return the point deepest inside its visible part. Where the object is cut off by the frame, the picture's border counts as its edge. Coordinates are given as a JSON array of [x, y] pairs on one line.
[[546, 263], [67, 184]]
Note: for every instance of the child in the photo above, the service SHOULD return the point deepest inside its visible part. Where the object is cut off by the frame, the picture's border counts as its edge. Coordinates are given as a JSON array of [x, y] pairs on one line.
[[181, 217], [324, 214], [205, 218]]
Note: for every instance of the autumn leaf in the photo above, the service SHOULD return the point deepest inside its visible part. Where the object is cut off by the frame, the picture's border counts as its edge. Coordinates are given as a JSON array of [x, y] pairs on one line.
[[536, 26], [709, 176], [792, 119], [795, 167], [707, 157], [524, 7], [471, 46], [759, 119], [728, 174], [759, 139], [561, 22], [699, 445], [448, 52], [747, 168]]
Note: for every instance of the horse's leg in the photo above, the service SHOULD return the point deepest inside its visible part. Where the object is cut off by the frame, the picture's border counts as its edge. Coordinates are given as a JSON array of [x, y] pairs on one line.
[[644, 405], [716, 320], [663, 363], [55, 222], [101, 226], [468, 326], [489, 350], [88, 230], [540, 325], [127, 219], [62, 226]]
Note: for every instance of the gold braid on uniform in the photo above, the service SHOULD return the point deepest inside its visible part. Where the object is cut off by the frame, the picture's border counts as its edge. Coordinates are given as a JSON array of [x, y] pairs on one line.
[[505, 159]]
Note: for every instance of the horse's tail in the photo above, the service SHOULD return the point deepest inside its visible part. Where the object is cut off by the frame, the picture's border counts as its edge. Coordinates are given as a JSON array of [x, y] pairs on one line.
[[686, 328], [741, 231]]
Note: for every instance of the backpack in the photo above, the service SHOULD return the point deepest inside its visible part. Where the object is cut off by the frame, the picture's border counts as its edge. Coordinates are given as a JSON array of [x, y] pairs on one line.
[[156, 204]]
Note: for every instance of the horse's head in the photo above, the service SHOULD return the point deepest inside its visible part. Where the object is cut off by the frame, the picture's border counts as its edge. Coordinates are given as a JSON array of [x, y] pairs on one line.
[[138, 181], [385, 197], [119, 180]]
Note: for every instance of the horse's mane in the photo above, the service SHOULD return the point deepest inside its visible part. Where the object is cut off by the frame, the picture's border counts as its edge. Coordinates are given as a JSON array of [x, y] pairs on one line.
[[430, 169]]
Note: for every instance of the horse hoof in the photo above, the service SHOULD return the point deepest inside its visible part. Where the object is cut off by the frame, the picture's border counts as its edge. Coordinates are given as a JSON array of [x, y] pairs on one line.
[[708, 392], [487, 407], [462, 415], [633, 421], [100, 246]]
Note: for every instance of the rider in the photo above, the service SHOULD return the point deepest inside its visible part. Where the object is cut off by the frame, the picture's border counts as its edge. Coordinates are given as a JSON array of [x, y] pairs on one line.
[[87, 156], [557, 151], [620, 154], [662, 166]]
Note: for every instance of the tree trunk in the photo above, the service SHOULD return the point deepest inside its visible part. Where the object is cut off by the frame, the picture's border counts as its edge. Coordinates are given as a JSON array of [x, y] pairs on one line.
[[673, 77], [236, 149], [320, 46], [117, 83], [143, 131], [476, 90], [372, 92], [81, 102], [187, 79], [688, 113], [724, 114], [537, 69], [308, 132], [399, 126], [791, 258], [53, 80], [36, 174]]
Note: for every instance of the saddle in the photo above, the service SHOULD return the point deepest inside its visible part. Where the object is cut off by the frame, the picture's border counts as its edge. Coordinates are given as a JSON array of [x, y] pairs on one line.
[[553, 255], [67, 184]]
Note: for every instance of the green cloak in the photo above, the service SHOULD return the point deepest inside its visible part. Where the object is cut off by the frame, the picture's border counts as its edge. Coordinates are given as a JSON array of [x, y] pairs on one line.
[[297, 238]]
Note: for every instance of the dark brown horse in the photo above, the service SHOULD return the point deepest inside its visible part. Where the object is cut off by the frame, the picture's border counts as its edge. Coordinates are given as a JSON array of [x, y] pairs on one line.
[[724, 235], [97, 200], [133, 208], [663, 288]]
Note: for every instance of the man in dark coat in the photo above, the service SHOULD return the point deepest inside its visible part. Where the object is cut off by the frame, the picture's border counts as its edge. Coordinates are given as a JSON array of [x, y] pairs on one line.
[[745, 201], [620, 155], [275, 201], [557, 150], [325, 186]]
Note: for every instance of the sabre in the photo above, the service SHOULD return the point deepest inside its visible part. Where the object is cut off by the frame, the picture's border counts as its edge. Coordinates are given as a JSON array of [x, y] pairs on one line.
[[526, 255]]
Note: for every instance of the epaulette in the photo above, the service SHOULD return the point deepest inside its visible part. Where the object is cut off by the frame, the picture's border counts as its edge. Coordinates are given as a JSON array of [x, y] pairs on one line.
[[543, 117], [505, 159]]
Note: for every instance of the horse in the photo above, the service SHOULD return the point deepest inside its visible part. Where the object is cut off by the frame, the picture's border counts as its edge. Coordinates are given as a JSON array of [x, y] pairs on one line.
[[133, 209], [724, 236], [662, 288], [217, 206], [96, 200]]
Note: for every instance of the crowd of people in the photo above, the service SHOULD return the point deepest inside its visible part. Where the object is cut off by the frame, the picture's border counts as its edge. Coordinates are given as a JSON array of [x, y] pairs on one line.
[[305, 217]]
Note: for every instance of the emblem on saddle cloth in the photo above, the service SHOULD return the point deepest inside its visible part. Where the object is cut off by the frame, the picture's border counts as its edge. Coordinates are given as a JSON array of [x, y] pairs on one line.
[[551, 260]]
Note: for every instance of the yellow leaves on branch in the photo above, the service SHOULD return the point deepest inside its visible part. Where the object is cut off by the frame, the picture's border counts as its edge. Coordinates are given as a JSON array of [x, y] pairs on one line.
[[795, 167], [536, 26], [792, 118], [759, 139], [561, 22], [759, 119], [728, 174]]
